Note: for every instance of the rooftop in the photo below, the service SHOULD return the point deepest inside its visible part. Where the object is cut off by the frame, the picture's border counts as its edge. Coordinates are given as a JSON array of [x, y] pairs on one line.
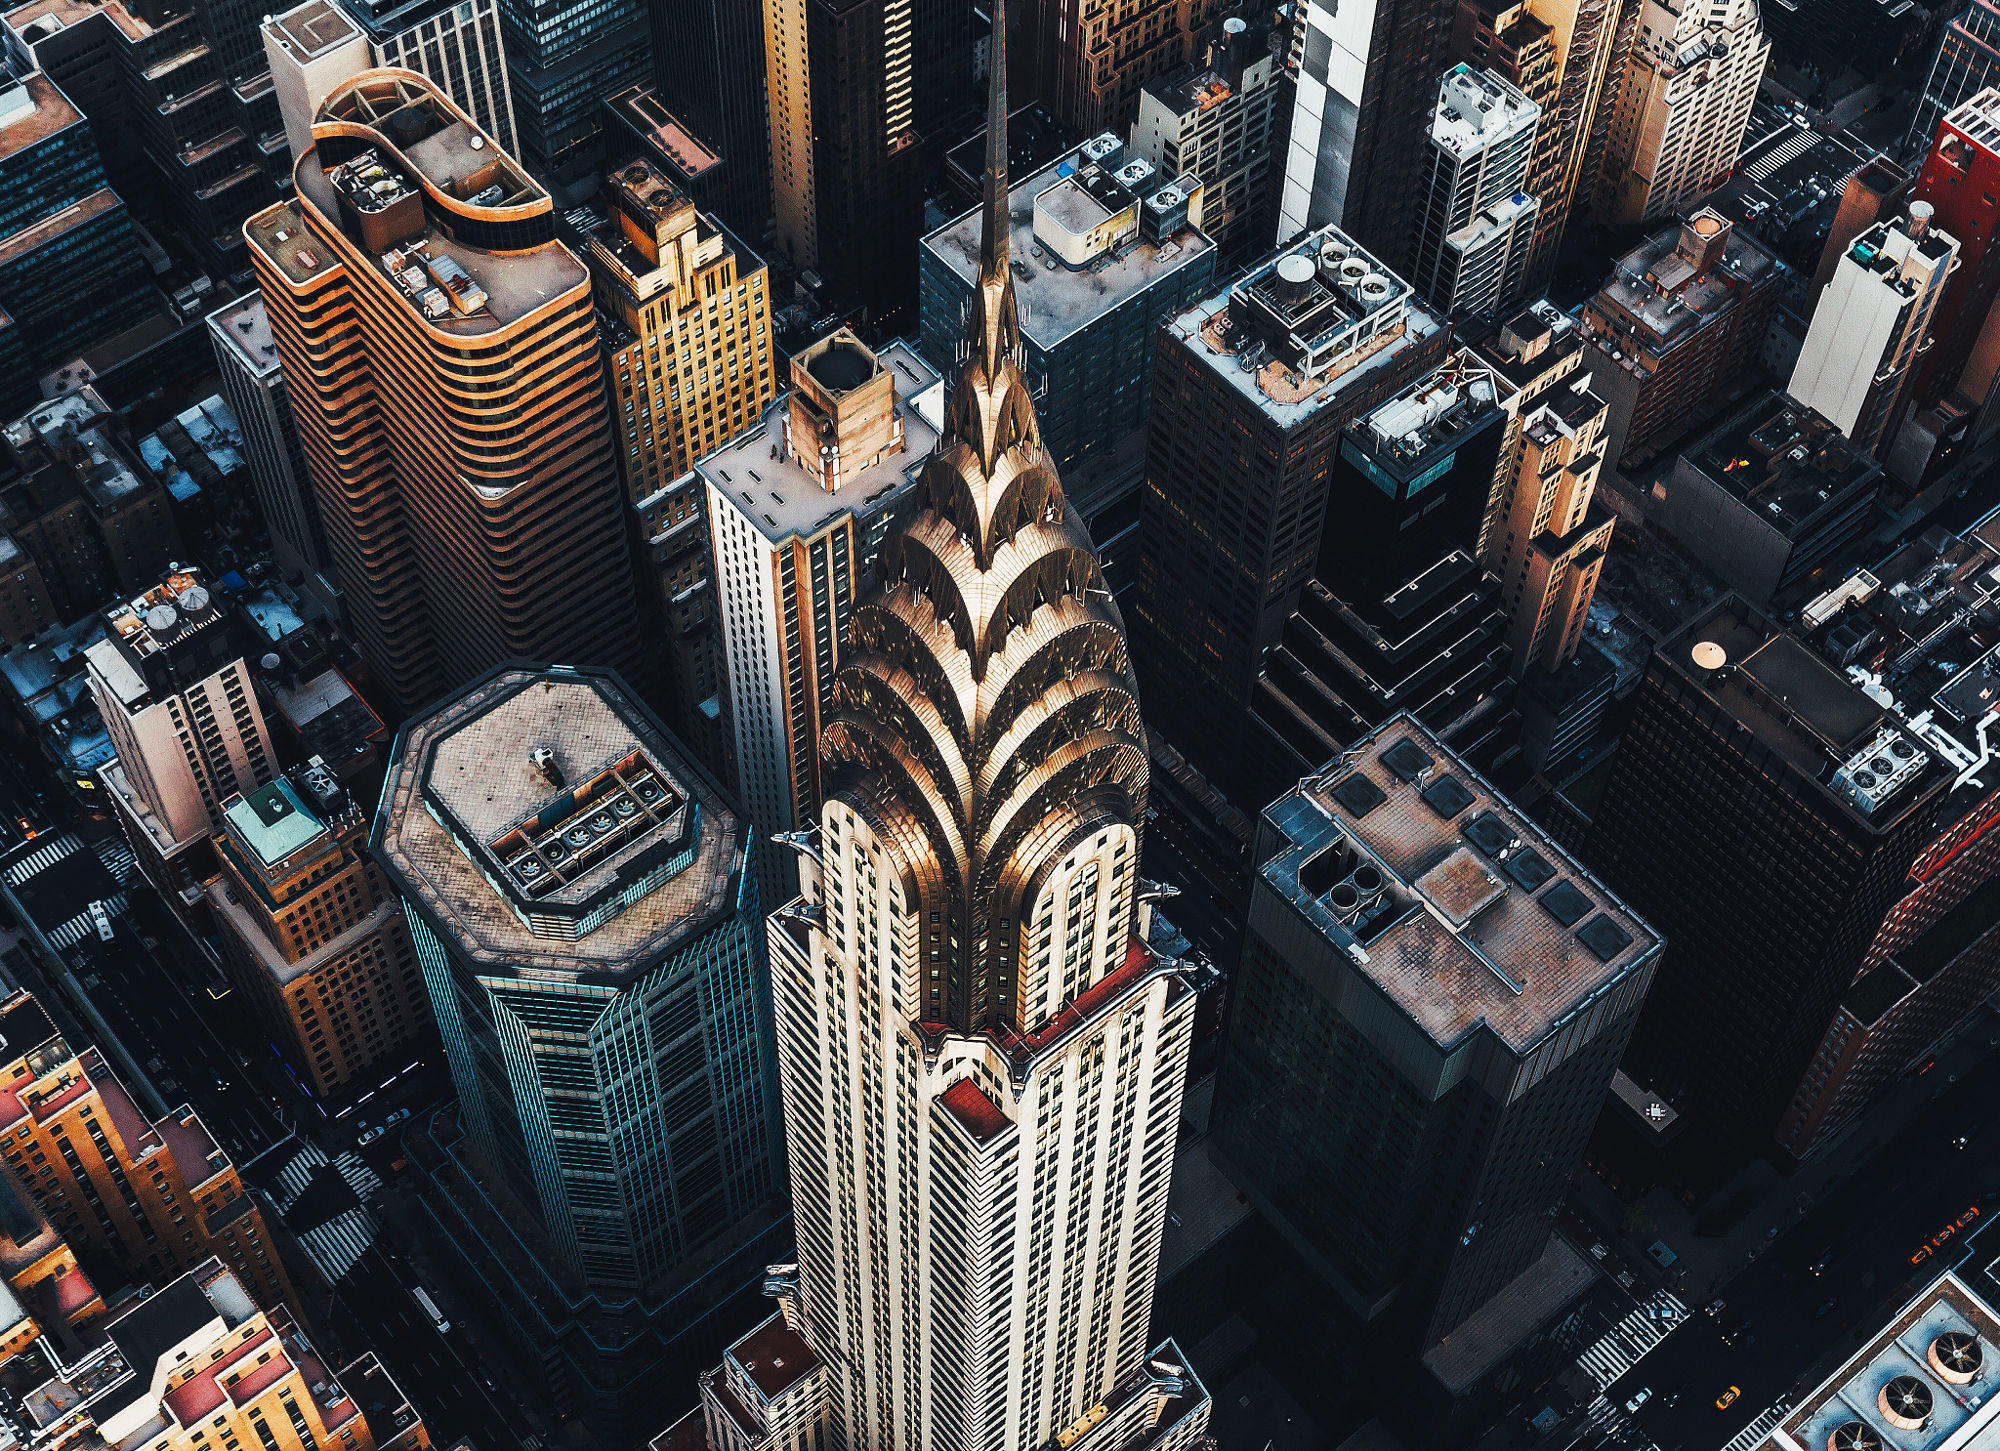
[[437, 161], [552, 797], [245, 328], [1306, 323], [1659, 295], [1920, 1383], [642, 106], [1447, 897], [774, 1356], [784, 499], [1056, 300], [1434, 412], [1784, 461], [32, 109], [312, 29], [74, 438], [1478, 109], [170, 612], [273, 822], [1798, 704]]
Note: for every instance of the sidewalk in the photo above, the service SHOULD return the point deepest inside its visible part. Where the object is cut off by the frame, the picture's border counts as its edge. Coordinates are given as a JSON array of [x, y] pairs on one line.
[[1778, 1202]]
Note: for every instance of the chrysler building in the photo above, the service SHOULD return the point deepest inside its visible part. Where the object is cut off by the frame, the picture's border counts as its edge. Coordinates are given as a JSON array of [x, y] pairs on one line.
[[981, 1059]]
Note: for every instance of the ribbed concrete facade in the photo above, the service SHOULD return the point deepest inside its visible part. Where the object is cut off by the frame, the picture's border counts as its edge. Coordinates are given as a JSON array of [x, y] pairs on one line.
[[449, 395]]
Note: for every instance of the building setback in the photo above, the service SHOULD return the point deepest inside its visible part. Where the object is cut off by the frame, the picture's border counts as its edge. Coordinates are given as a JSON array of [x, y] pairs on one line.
[[1431, 1005], [1544, 535], [685, 314], [1087, 64], [1252, 389], [1475, 220], [465, 527], [1559, 53]]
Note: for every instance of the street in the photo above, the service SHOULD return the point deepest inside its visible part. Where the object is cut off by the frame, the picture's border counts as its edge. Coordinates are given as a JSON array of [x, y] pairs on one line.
[[1824, 1283]]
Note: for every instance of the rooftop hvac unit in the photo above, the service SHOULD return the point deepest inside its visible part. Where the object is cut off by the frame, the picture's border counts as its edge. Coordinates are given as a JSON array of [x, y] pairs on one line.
[[1879, 770], [1956, 1357], [1104, 150], [1854, 1436], [1134, 174], [1905, 1402]]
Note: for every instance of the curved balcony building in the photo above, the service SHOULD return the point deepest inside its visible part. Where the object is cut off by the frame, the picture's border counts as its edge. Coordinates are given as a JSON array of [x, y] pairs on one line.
[[449, 394]]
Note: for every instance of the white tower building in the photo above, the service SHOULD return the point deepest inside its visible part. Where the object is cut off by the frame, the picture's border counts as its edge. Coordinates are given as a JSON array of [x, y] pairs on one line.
[[982, 1061], [1873, 323], [1680, 110], [1476, 219]]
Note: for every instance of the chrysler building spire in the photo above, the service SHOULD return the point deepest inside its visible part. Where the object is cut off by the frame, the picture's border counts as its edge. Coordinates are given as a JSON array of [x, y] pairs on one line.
[[982, 1060]]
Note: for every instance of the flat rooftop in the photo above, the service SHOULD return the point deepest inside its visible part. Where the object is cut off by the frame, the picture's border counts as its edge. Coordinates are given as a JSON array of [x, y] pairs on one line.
[[1473, 918], [1655, 298], [1054, 301], [273, 822], [1476, 109], [784, 500], [1233, 332], [57, 224], [470, 802], [279, 232], [32, 109], [1795, 702], [1921, 1383], [1783, 460], [641, 105], [313, 29]]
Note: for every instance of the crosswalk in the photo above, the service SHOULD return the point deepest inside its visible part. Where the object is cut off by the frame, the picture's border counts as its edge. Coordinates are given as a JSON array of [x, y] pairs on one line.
[[1625, 1344], [1754, 1433], [336, 1242], [1793, 146]]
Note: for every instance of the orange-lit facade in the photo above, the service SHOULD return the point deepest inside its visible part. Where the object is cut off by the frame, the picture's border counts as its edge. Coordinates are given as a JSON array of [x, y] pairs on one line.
[[1086, 62], [313, 936], [197, 1366], [442, 351], [1544, 533], [687, 322], [152, 1198]]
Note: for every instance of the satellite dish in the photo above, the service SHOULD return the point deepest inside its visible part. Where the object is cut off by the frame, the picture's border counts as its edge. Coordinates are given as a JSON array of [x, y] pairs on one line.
[[270, 662], [1708, 655]]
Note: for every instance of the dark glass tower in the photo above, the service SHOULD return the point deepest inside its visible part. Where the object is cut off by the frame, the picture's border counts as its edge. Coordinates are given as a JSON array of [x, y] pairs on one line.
[[1431, 1005]]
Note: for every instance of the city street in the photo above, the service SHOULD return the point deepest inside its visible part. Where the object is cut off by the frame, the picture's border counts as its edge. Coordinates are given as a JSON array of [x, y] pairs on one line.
[[1825, 1282]]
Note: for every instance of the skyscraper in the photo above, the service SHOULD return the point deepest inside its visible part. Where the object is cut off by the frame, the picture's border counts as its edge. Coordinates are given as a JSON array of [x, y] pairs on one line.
[[585, 913], [708, 60], [1679, 111], [799, 509], [1559, 53], [686, 321], [982, 1060], [312, 936], [71, 272], [1431, 1005], [845, 165], [1544, 534], [1956, 181], [459, 435], [1873, 324], [1765, 814], [1367, 73], [1475, 220], [1086, 63], [253, 380], [1252, 390], [181, 709], [1966, 63]]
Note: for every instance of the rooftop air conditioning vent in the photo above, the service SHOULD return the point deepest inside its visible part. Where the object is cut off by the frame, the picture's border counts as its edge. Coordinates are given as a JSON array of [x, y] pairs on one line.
[[1905, 1402], [624, 808], [1854, 1436], [1957, 1356]]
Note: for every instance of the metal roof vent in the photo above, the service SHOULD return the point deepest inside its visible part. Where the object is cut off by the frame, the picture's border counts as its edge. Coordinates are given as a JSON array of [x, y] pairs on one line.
[[1854, 1436], [1905, 1402], [543, 759], [1956, 1357]]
